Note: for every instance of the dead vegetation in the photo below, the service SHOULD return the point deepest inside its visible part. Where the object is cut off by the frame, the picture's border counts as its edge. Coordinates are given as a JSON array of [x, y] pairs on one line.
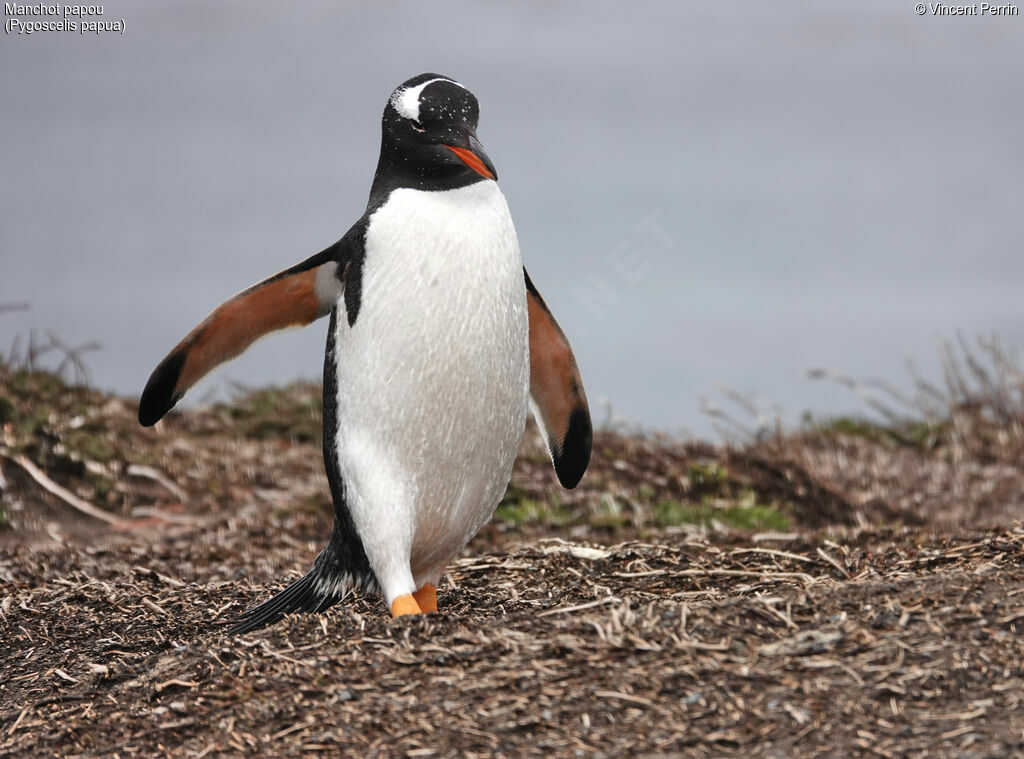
[[878, 645], [839, 591]]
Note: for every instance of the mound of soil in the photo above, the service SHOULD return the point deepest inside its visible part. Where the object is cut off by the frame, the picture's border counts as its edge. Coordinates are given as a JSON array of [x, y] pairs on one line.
[[815, 595]]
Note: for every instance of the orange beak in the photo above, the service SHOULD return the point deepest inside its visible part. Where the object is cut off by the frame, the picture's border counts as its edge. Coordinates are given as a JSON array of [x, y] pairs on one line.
[[473, 161]]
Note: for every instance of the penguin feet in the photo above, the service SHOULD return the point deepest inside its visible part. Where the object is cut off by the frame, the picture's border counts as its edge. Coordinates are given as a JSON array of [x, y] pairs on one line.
[[422, 601], [404, 605], [426, 597]]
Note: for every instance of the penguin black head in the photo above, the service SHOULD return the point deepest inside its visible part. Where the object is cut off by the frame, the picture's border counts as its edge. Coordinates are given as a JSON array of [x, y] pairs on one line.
[[429, 134]]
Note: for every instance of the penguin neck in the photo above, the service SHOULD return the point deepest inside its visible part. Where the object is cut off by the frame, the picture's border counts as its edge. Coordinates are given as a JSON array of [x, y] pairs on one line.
[[395, 171]]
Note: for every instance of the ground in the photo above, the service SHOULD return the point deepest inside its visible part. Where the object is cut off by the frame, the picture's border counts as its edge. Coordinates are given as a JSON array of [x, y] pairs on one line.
[[834, 593]]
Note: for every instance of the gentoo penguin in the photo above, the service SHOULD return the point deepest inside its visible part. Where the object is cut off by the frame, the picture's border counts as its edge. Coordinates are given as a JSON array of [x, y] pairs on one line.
[[437, 346]]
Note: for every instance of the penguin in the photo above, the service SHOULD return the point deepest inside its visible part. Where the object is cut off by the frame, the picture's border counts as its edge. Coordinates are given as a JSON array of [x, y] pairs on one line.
[[438, 345]]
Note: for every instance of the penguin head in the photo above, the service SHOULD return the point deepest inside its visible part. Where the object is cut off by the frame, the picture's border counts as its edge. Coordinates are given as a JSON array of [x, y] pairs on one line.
[[430, 125]]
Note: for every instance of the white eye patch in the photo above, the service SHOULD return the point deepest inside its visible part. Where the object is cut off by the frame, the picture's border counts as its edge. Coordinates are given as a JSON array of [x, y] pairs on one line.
[[407, 100]]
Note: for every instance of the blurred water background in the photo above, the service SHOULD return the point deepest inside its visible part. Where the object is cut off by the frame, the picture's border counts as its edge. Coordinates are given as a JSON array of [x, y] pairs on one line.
[[704, 193]]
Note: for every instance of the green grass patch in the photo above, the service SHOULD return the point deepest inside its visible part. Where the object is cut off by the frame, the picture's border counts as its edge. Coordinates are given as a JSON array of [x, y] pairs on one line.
[[923, 435], [7, 410], [30, 400], [517, 508], [609, 515], [530, 511], [707, 475], [91, 446], [294, 412], [740, 517], [711, 480]]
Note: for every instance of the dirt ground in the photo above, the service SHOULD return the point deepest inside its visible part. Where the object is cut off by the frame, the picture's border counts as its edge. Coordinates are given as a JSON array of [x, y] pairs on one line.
[[882, 616]]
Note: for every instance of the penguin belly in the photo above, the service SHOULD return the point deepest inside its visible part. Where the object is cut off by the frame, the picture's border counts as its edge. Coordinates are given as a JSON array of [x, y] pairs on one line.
[[432, 379]]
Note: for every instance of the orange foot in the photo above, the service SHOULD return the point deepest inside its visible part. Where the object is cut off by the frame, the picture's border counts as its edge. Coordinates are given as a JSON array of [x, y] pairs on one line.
[[404, 605], [426, 597]]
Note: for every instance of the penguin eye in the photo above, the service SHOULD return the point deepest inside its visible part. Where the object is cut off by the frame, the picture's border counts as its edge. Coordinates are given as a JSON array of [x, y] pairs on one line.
[[417, 125]]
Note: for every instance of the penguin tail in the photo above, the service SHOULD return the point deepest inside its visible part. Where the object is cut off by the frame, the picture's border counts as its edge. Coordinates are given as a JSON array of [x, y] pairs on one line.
[[318, 590]]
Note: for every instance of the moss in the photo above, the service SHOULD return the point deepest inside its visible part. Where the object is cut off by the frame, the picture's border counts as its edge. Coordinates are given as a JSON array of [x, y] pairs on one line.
[[518, 508], [853, 427], [29, 400], [608, 521], [102, 486], [7, 410], [145, 456], [529, 511], [608, 514], [36, 384], [5, 519], [294, 413], [751, 516], [927, 435], [923, 435], [28, 419], [92, 446], [707, 476]]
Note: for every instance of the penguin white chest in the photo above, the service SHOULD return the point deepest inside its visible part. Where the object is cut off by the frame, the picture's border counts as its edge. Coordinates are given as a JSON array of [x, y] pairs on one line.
[[433, 377]]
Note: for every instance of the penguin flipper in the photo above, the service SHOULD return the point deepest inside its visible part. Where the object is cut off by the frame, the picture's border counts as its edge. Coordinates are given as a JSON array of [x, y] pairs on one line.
[[293, 297], [557, 399]]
